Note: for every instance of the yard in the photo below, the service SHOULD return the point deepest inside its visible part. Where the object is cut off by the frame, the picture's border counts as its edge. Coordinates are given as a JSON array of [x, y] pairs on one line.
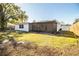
[[42, 44], [45, 39]]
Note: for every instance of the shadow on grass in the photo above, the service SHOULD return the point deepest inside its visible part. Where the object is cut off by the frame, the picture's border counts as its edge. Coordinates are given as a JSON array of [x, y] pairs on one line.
[[67, 34], [60, 34]]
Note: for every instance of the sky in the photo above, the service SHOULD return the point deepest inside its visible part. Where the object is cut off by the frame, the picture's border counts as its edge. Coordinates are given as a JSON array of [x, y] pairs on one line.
[[62, 12]]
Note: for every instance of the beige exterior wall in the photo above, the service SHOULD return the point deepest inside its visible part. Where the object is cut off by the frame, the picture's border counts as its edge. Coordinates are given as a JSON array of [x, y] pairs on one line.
[[43, 26]]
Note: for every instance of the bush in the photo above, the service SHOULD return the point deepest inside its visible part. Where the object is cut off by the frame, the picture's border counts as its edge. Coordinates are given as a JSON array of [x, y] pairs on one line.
[[29, 49]]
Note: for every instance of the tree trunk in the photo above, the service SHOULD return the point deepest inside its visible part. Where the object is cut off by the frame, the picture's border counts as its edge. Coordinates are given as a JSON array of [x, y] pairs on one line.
[[3, 23]]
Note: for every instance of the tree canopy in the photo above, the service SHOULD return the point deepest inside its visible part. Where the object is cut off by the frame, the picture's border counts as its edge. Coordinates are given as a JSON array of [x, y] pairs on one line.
[[10, 11], [76, 20]]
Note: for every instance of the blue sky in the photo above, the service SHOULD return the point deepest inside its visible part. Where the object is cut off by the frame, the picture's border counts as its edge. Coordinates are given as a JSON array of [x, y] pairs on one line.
[[48, 11]]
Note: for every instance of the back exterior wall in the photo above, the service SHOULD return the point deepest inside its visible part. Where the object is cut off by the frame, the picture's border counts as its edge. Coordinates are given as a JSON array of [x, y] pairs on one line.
[[43, 27]]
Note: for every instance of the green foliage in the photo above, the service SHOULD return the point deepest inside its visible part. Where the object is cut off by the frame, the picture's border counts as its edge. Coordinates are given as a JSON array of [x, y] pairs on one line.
[[5, 36], [10, 11]]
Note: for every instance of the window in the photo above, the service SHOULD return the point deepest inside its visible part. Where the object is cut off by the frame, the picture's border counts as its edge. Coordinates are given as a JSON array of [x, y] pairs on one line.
[[21, 26]]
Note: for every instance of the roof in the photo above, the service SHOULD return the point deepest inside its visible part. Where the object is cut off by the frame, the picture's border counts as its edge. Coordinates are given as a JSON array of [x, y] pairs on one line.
[[54, 21], [65, 25]]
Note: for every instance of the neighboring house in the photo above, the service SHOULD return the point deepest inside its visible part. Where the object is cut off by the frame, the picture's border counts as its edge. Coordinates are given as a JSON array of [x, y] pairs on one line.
[[65, 27], [47, 26]]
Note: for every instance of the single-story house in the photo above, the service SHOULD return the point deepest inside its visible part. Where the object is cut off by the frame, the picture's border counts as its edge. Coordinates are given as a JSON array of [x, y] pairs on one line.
[[65, 27], [45, 26]]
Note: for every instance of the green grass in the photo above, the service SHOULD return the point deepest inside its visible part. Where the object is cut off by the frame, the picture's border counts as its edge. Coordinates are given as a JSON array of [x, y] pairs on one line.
[[44, 45], [45, 39]]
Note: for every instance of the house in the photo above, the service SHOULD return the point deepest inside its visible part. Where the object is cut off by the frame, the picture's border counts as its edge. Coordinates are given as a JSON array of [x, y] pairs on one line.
[[44, 26], [65, 27], [22, 27]]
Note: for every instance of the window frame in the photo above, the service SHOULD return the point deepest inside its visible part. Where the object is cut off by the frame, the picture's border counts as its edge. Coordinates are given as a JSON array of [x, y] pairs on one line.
[[21, 26]]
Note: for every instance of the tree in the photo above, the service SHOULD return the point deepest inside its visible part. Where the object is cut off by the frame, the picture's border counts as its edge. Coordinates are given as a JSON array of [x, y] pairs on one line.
[[76, 20], [10, 11]]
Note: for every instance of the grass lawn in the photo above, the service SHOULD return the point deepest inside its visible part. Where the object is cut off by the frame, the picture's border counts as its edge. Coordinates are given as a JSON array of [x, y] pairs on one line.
[[45, 39], [46, 43]]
